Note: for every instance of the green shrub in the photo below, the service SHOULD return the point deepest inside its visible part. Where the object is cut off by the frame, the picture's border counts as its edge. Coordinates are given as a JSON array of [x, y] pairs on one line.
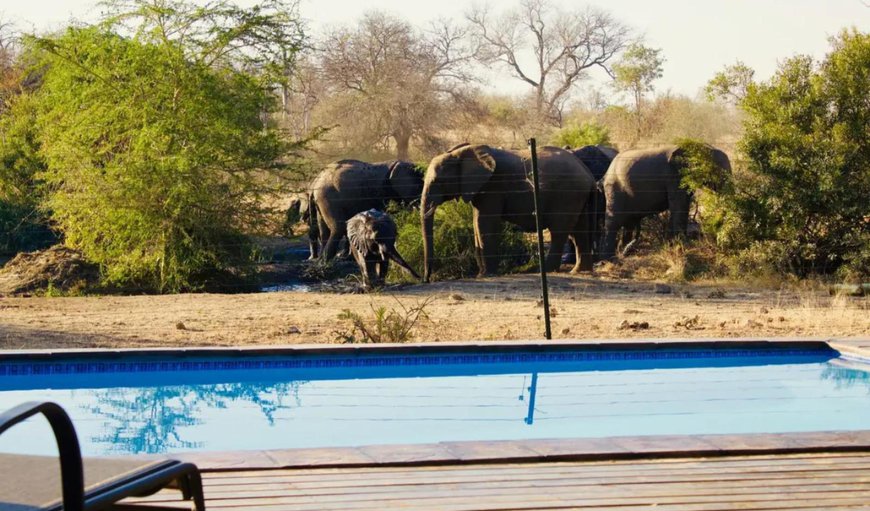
[[581, 134], [804, 207], [158, 157], [453, 237], [23, 225], [386, 325]]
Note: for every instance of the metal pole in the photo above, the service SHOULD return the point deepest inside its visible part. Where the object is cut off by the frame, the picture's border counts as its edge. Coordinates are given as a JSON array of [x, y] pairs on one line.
[[542, 262]]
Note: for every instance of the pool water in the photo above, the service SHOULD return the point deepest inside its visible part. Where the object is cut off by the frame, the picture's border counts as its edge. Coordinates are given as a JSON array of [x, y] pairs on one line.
[[150, 405]]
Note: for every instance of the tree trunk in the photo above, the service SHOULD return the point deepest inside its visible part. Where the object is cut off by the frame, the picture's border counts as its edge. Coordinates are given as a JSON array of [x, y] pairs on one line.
[[403, 144]]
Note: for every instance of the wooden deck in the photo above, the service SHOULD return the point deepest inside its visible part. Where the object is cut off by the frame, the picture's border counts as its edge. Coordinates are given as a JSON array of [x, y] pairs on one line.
[[824, 481]]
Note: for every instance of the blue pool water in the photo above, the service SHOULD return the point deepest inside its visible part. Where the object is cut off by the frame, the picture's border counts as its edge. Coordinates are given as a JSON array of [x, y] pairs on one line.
[[149, 405]]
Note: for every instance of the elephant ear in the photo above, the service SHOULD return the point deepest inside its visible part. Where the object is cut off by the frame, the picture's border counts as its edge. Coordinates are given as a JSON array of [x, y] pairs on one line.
[[405, 180], [476, 166]]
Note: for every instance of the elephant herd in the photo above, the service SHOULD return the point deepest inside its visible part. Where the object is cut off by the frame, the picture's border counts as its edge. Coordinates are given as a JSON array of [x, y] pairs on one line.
[[586, 196]]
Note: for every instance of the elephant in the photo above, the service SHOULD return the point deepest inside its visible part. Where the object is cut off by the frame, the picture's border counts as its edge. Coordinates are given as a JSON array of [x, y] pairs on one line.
[[496, 182], [348, 187], [597, 159], [644, 182], [372, 239], [299, 210]]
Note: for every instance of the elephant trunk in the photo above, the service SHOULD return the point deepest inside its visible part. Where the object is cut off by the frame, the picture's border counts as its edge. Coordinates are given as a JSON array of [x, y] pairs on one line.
[[427, 215]]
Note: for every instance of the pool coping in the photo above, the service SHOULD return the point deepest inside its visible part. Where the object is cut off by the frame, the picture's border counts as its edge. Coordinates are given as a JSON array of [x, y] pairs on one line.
[[507, 451], [440, 347], [534, 451]]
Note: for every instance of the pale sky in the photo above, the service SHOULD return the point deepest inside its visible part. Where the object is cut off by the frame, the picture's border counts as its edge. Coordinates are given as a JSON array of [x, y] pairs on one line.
[[698, 37]]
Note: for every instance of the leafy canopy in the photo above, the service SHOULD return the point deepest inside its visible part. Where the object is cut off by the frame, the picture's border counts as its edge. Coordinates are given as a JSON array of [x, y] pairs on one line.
[[807, 137], [582, 134], [152, 129]]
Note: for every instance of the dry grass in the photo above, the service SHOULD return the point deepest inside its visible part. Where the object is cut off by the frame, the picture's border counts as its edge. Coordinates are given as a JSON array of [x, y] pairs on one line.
[[503, 308]]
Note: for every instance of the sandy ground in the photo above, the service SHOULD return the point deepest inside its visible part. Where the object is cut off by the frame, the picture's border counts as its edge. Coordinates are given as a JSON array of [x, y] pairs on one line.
[[502, 308]]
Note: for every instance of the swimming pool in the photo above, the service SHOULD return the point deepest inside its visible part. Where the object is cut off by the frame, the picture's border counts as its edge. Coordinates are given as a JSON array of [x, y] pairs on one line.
[[213, 401]]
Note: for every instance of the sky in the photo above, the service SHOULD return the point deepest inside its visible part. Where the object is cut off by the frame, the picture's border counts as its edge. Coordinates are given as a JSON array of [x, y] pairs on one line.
[[697, 37]]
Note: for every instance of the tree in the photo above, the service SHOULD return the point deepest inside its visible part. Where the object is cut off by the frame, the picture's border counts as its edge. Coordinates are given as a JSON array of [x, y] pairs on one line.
[[577, 135], [153, 135], [390, 81], [564, 46], [731, 84], [807, 137], [10, 69], [635, 73]]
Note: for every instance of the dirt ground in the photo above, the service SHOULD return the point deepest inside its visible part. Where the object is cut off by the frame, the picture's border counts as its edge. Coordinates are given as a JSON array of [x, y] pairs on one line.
[[503, 308]]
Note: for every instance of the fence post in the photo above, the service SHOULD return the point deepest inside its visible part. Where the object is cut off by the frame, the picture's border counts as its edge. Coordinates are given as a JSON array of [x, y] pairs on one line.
[[541, 260]]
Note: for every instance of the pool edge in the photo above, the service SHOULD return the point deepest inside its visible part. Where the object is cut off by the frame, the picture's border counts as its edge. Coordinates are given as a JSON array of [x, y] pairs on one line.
[[535, 451], [439, 347]]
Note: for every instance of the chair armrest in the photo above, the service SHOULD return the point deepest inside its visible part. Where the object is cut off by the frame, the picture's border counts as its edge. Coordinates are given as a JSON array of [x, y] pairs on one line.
[[71, 471]]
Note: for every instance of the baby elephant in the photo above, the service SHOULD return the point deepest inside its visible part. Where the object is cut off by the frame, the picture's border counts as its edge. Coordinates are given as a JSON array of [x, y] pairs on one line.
[[372, 238]]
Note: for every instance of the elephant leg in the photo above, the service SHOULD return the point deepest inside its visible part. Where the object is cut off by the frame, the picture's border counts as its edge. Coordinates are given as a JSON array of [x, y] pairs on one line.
[[335, 236], [368, 265], [383, 268], [678, 204], [323, 233], [583, 250], [313, 241], [612, 224], [584, 239], [558, 237], [487, 227]]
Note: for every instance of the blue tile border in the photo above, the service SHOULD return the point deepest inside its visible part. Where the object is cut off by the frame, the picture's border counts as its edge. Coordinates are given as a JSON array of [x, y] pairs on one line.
[[271, 362]]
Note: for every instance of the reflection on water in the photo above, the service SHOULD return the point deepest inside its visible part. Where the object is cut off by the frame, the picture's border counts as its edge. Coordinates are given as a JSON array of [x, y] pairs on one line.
[[848, 373], [302, 288], [149, 420], [328, 404]]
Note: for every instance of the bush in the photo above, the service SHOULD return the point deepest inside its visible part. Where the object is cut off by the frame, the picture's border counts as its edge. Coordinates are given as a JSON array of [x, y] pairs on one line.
[[23, 225], [804, 207], [393, 325], [157, 153], [453, 237], [581, 134]]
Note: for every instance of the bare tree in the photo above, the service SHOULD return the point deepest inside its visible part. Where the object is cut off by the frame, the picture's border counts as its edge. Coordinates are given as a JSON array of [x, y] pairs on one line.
[[10, 72], [390, 81], [548, 48]]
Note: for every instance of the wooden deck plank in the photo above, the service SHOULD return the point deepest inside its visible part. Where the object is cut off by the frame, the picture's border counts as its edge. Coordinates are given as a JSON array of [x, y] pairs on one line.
[[426, 471], [807, 481]]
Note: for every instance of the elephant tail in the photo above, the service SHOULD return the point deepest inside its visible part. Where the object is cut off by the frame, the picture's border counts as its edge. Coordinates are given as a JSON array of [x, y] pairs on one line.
[[393, 254]]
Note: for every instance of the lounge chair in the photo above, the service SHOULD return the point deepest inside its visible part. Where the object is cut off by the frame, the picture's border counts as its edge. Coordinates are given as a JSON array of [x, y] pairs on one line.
[[31, 482]]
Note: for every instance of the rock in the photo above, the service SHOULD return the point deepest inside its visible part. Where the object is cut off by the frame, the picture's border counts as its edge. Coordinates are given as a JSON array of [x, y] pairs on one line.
[[566, 331], [751, 323], [763, 310], [180, 326], [634, 325], [716, 294], [662, 289], [689, 323], [553, 312], [293, 330], [456, 296]]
